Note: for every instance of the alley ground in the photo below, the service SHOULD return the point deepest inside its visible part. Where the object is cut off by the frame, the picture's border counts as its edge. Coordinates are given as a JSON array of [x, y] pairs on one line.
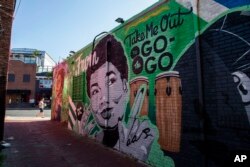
[[39, 142]]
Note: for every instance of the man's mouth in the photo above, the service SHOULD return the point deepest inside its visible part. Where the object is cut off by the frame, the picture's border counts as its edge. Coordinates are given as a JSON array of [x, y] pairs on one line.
[[106, 113]]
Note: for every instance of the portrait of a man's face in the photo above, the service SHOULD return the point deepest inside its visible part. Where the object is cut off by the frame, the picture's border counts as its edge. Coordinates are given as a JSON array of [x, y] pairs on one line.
[[107, 83], [108, 92]]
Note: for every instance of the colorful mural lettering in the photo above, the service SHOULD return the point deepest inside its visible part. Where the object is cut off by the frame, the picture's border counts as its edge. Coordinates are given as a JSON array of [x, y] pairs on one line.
[[170, 87]]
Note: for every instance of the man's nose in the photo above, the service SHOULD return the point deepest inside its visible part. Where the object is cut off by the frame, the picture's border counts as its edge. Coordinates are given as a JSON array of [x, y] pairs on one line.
[[103, 100]]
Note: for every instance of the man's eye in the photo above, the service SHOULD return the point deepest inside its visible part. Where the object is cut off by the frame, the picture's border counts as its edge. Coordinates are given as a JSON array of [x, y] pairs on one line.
[[111, 78], [94, 92], [111, 81]]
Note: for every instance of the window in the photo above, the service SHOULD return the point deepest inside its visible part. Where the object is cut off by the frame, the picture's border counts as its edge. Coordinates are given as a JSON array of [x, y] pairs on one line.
[[17, 56], [11, 78], [26, 78], [77, 88], [29, 60]]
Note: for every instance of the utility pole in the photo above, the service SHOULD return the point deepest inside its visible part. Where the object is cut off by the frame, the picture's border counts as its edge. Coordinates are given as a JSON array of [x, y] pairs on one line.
[[6, 19]]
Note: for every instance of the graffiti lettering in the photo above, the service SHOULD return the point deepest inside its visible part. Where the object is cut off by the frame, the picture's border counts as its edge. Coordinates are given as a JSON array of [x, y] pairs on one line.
[[153, 66], [165, 60], [173, 20], [134, 139], [163, 42], [168, 62], [83, 64], [153, 30], [154, 47], [146, 52], [160, 44], [168, 21], [135, 37]]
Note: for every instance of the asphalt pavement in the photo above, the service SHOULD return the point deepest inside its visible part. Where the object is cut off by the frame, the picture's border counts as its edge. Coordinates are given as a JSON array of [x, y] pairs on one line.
[[40, 142]]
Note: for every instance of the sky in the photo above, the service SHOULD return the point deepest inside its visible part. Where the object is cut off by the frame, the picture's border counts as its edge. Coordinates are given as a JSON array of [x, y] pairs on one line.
[[61, 26]]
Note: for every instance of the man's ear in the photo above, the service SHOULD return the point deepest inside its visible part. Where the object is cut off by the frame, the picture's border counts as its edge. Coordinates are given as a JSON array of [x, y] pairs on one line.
[[125, 85]]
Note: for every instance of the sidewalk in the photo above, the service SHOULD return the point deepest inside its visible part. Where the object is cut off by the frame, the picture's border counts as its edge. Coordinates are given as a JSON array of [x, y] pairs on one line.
[[39, 142]]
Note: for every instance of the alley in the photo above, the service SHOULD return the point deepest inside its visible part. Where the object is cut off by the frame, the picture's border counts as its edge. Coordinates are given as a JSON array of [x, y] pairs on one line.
[[39, 142]]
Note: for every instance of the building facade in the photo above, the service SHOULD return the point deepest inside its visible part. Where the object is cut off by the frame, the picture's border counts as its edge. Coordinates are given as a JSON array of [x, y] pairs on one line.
[[21, 82], [30, 76]]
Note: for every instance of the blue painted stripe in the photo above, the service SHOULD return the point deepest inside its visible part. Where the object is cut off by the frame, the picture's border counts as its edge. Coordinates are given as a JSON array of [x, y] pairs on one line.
[[233, 3]]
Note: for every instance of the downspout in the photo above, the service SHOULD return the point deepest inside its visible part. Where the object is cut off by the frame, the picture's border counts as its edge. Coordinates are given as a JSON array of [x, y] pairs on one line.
[[199, 61]]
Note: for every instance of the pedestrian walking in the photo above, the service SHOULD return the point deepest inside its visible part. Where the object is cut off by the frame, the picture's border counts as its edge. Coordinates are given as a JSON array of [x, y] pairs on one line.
[[41, 107]]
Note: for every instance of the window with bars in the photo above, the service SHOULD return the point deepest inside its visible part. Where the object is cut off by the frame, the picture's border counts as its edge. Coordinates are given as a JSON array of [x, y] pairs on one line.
[[77, 94]]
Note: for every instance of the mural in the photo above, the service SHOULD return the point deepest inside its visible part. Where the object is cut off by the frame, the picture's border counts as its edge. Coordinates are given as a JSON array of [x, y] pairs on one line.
[[57, 95], [170, 88], [228, 29]]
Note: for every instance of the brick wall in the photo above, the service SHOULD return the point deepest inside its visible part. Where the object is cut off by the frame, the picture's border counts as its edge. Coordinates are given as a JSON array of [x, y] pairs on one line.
[[6, 13], [220, 128], [18, 68], [206, 49]]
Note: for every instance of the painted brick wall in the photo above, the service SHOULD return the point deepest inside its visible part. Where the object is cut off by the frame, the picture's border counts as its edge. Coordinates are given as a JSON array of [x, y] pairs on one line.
[[170, 87]]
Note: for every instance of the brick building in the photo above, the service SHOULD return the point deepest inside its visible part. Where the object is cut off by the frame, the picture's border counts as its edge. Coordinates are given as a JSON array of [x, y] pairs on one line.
[[35, 64], [21, 82]]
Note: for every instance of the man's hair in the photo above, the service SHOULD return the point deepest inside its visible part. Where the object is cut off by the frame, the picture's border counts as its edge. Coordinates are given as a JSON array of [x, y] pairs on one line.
[[109, 50]]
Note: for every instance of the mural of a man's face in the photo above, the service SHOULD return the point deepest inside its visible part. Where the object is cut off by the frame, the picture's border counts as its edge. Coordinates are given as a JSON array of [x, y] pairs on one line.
[[108, 92]]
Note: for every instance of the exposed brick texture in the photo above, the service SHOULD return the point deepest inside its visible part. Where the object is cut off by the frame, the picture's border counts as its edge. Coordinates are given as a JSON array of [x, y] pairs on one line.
[[18, 68], [6, 12]]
